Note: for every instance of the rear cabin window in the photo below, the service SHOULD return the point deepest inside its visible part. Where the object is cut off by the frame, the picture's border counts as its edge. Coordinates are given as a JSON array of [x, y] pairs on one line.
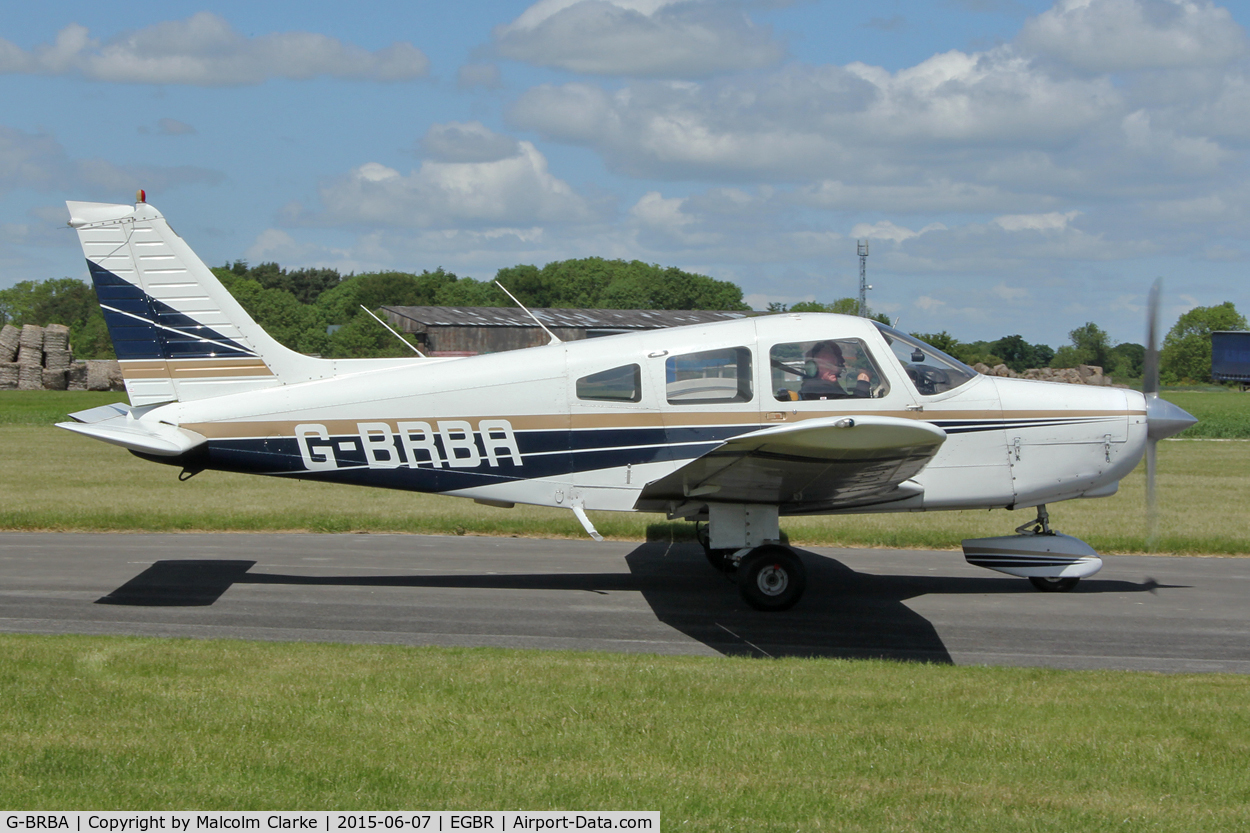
[[620, 384], [709, 377], [828, 369]]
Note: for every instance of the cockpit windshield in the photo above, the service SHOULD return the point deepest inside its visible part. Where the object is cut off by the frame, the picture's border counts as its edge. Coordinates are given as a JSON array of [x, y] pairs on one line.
[[929, 369]]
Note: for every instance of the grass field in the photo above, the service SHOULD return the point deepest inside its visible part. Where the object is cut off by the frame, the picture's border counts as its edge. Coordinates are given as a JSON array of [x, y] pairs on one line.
[[714, 744], [71, 483], [1222, 414]]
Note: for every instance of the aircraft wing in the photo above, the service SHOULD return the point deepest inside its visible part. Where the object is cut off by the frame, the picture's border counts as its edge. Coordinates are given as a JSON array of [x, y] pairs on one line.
[[810, 465]]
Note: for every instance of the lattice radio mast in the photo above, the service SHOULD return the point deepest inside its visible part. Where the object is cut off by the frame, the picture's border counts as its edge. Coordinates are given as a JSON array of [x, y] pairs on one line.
[[863, 279]]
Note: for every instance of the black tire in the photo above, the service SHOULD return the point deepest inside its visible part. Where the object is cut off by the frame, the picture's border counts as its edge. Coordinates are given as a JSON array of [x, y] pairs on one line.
[[771, 577], [1053, 585]]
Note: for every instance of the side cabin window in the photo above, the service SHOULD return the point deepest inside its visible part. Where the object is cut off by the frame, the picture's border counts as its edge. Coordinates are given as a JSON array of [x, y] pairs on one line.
[[709, 377], [928, 368], [829, 369], [620, 384]]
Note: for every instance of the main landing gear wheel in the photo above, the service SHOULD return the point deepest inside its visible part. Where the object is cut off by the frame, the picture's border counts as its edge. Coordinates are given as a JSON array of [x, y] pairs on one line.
[[771, 577], [722, 559], [1053, 585]]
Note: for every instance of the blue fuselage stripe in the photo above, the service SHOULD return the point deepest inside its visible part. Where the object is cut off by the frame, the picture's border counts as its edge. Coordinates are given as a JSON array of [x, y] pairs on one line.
[[543, 454]]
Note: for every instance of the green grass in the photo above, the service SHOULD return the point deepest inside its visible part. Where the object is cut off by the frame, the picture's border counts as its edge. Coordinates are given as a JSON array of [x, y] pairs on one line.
[[56, 481], [45, 407], [1222, 413], [712, 743]]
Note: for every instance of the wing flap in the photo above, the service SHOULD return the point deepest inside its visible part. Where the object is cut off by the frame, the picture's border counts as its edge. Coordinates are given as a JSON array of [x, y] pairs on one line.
[[822, 463]]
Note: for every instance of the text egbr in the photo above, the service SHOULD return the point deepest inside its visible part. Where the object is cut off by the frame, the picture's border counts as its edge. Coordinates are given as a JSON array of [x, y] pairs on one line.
[[449, 442]]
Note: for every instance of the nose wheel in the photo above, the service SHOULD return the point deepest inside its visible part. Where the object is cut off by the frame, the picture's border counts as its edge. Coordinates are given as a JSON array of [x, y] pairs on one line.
[[771, 577], [1053, 585]]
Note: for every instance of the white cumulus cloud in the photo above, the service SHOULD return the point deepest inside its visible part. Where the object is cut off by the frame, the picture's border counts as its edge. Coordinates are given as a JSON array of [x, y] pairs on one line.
[[886, 230], [666, 218], [945, 119], [656, 38], [204, 50], [517, 189], [1115, 35], [467, 142], [1051, 221]]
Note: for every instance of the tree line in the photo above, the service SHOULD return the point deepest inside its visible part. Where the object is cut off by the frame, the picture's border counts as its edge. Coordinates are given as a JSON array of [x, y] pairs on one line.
[[319, 311], [1184, 356]]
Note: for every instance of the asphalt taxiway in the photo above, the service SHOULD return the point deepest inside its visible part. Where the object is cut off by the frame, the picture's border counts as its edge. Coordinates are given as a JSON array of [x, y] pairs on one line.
[[1141, 612]]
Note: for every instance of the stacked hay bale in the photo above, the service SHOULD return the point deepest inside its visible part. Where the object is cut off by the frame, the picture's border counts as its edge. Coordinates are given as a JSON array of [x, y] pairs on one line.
[[10, 339], [56, 357], [76, 378], [104, 375], [1085, 374], [39, 358], [30, 358]]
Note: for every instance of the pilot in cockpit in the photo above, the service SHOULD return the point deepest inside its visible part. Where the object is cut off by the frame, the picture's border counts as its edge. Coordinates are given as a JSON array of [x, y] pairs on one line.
[[832, 377]]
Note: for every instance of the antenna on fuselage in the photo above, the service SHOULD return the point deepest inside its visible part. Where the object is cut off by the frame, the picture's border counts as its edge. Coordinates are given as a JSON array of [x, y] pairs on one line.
[[554, 338], [405, 341]]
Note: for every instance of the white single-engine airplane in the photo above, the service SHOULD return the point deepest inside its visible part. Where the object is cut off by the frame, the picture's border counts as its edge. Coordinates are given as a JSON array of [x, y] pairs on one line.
[[730, 424]]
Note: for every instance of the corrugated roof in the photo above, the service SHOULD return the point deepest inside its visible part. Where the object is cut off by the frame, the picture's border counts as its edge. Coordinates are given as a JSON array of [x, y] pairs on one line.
[[612, 319]]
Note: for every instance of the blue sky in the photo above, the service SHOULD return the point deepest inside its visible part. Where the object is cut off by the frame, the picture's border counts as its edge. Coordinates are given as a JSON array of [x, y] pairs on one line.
[[1019, 167]]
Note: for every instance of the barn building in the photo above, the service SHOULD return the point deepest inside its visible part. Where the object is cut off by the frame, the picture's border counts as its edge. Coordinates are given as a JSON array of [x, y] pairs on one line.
[[468, 331]]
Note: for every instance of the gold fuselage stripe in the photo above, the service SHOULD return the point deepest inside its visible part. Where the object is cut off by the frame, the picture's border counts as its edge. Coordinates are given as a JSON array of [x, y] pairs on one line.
[[653, 419]]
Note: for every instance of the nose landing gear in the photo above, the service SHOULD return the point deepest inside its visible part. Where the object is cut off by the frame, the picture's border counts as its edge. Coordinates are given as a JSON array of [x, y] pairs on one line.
[[1051, 561], [1053, 585]]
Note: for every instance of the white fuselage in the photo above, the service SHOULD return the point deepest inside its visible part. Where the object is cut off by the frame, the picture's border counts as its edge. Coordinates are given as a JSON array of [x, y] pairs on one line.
[[518, 427]]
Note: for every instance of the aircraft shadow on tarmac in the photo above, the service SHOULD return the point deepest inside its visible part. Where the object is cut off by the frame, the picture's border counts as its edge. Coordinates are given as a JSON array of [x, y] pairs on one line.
[[844, 613]]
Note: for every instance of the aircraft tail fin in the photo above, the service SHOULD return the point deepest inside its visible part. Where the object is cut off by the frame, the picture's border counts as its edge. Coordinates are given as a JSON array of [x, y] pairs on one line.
[[178, 333]]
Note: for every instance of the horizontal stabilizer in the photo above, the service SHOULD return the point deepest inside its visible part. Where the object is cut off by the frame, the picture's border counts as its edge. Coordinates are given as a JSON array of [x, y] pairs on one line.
[[159, 438], [100, 414]]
